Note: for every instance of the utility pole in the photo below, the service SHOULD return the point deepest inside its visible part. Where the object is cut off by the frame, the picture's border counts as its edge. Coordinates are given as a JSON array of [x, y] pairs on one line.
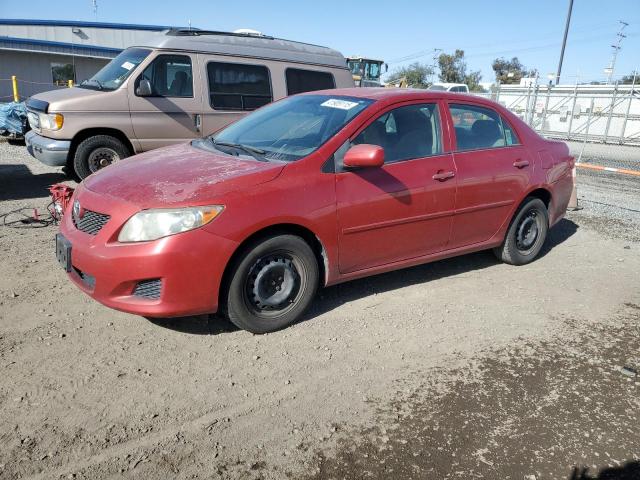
[[616, 48], [436, 56], [95, 9], [564, 41]]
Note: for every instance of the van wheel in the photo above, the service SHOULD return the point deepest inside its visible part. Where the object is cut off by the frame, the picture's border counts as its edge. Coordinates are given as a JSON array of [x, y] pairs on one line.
[[98, 152], [526, 235], [272, 284]]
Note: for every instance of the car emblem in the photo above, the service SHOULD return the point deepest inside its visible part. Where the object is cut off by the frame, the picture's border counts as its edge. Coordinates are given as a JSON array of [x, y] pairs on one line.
[[77, 211]]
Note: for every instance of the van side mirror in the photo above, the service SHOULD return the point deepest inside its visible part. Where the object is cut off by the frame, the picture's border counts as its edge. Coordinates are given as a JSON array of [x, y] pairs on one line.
[[144, 88], [364, 156]]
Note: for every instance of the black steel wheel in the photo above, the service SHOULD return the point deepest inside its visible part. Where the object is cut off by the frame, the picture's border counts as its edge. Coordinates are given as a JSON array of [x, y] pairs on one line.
[[527, 233], [97, 152], [273, 283]]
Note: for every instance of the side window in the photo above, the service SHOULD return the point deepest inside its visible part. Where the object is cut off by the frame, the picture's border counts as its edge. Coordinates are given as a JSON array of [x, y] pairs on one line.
[[509, 133], [476, 127], [170, 76], [406, 132], [299, 81], [234, 86]]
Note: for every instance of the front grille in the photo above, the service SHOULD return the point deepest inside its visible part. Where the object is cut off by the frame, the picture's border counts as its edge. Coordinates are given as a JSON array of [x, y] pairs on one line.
[[91, 222], [148, 289]]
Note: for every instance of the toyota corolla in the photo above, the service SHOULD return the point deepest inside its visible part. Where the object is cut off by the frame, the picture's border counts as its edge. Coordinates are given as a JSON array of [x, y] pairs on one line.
[[310, 191]]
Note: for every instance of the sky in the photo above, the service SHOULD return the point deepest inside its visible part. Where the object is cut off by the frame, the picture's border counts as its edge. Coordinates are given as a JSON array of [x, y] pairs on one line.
[[398, 31]]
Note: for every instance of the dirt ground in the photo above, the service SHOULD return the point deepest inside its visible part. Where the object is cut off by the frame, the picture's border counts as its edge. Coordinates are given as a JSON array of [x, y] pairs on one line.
[[464, 368]]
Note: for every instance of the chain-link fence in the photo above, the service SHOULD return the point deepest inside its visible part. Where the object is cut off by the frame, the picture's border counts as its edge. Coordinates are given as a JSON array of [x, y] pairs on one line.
[[604, 113]]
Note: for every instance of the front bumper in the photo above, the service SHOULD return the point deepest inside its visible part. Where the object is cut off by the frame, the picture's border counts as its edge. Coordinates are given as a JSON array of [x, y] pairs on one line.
[[49, 151], [189, 266]]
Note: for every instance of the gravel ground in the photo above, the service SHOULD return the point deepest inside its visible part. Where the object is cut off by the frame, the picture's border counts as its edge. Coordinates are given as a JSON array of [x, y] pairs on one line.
[[464, 368]]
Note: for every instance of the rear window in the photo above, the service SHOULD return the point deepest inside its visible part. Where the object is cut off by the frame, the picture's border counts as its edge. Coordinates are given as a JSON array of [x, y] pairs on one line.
[[299, 81], [234, 86]]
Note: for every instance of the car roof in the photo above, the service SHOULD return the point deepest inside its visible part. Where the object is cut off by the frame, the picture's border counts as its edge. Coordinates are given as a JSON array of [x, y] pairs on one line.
[[245, 45], [397, 94]]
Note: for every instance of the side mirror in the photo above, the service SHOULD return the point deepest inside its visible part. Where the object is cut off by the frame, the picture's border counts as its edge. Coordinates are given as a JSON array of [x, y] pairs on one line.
[[144, 88], [363, 156]]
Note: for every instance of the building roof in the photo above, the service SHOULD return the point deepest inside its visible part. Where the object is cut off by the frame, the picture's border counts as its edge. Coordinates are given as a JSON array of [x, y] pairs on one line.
[[72, 23]]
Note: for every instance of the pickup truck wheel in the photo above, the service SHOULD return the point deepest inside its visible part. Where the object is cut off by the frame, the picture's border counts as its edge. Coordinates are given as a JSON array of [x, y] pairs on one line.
[[97, 152], [272, 284], [526, 235]]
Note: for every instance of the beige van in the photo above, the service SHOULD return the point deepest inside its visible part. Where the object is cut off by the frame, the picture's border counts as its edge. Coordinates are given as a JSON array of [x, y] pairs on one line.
[[180, 85]]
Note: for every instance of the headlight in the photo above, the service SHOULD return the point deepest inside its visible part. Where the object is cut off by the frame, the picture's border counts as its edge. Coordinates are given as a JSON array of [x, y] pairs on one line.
[[51, 121], [158, 223]]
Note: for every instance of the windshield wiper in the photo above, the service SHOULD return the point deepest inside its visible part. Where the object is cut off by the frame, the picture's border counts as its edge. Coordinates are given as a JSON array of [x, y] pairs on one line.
[[98, 83], [256, 153]]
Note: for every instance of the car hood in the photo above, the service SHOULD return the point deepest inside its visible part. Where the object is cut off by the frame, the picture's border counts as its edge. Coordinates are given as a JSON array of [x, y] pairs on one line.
[[179, 175]]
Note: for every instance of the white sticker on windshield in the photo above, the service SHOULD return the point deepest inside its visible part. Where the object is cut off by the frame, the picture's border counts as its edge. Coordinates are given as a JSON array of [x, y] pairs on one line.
[[341, 104], [128, 65]]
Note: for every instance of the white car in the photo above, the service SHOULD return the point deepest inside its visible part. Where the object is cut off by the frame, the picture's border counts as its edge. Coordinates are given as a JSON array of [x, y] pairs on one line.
[[450, 87]]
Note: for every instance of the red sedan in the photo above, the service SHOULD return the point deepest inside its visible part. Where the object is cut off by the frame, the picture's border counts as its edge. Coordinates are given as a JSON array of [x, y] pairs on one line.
[[313, 190]]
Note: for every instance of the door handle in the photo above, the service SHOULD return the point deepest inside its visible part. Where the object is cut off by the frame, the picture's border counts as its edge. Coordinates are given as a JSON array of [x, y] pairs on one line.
[[521, 163], [197, 121], [442, 176]]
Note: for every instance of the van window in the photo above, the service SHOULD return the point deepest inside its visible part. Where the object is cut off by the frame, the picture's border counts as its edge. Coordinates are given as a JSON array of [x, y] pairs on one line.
[[234, 86], [170, 76], [114, 73], [299, 81]]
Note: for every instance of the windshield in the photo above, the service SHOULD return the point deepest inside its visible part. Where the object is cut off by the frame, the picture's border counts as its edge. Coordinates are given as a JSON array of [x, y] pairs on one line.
[[436, 87], [117, 70], [292, 128], [356, 67]]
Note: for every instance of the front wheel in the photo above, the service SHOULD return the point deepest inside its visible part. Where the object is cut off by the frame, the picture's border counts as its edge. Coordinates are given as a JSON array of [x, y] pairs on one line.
[[97, 152], [272, 284], [526, 235]]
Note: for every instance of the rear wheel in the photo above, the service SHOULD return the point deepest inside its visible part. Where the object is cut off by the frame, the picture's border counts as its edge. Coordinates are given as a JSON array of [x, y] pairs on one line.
[[272, 284], [526, 235], [98, 152]]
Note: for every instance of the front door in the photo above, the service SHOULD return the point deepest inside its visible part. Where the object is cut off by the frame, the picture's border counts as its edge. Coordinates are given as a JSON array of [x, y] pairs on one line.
[[399, 211], [173, 112], [493, 173]]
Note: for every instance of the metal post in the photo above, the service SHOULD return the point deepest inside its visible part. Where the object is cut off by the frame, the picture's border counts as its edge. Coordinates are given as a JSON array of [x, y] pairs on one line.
[[564, 41], [498, 92], [613, 105], [573, 109], [626, 115], [546, 107], [533, 104], [14, 82]]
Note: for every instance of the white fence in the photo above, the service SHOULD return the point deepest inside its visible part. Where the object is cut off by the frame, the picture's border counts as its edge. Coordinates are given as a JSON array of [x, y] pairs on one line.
[[601, 113]]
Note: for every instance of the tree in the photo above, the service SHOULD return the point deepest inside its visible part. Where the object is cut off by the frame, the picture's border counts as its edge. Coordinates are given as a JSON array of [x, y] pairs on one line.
[[417, 75], [453, 69], [510, 71], [628, 79]]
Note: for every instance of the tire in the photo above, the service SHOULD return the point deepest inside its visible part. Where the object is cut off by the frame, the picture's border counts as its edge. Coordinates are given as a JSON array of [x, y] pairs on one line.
[[97, 152], [272, 284], [526, 235]]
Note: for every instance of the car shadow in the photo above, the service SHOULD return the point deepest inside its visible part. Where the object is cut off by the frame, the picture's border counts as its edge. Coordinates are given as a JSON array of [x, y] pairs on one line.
[[18, 183], [628, 471], [335, 296]]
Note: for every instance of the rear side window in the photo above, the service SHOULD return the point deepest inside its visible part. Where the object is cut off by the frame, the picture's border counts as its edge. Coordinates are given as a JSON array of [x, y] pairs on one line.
[[509, 133], [408, 132], [234, 86], [170, 76], [299, 81], [477, 127]]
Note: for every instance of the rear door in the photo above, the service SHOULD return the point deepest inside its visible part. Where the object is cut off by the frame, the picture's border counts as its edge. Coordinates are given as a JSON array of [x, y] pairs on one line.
[[494, 171], [399, 211], [172, 113]]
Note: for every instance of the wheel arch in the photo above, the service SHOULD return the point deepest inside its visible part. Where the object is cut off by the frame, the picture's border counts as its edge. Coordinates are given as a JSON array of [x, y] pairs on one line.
[[312, 239], [91, 132]]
